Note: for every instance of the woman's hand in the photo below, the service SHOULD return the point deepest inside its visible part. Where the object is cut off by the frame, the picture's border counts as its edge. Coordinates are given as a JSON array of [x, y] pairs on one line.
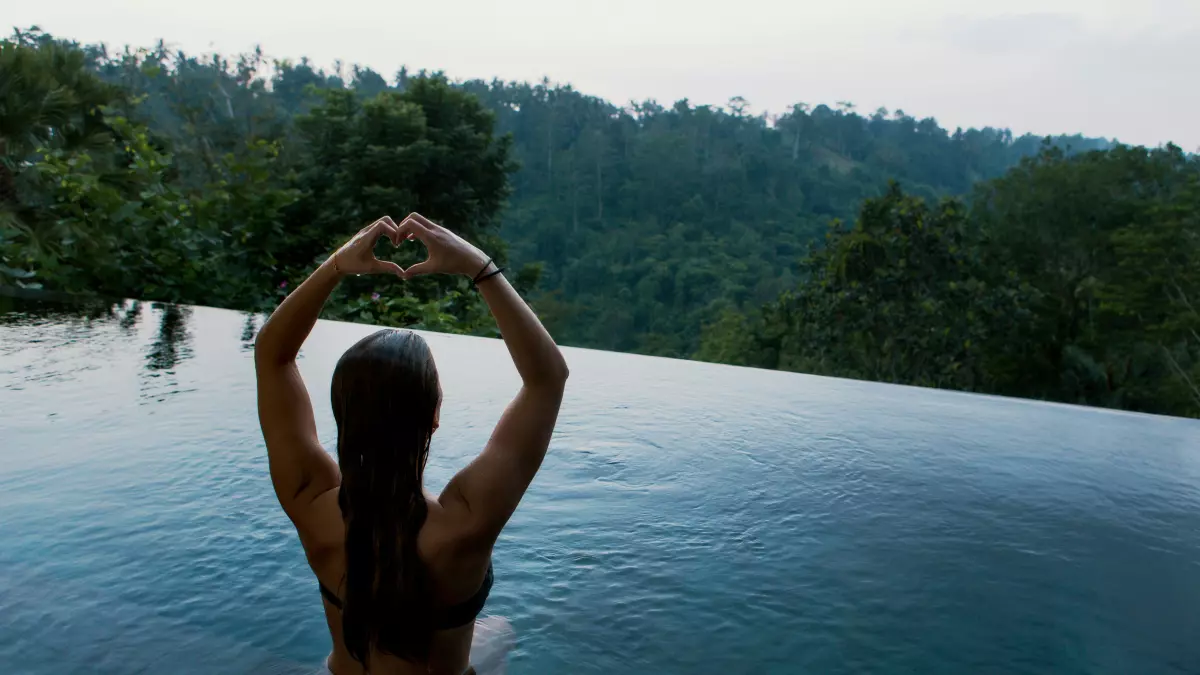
[[448, 252], [357, 256]]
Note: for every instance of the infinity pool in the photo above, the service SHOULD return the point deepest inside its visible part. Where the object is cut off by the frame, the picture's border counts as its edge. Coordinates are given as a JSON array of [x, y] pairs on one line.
[[689, 518]]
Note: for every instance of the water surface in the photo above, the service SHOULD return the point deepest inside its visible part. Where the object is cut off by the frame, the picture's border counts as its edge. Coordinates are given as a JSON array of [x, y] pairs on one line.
[[689, 518]]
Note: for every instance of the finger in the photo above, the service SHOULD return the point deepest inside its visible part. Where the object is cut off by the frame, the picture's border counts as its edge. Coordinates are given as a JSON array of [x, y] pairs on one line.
[[392, 230], [388, 267], [411, 227], [424, 267], [417, 220], [384, 227], [423, 220]]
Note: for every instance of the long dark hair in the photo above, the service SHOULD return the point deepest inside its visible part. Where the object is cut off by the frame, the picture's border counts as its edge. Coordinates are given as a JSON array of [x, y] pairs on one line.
[[385, 398]]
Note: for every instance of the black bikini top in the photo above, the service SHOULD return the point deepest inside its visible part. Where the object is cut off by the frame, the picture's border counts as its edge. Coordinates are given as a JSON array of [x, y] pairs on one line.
[[452, 617]]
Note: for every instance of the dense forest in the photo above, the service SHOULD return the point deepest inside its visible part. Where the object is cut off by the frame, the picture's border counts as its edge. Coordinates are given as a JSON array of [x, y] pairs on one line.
[[1067, 279], [651, 221], [822, 240]]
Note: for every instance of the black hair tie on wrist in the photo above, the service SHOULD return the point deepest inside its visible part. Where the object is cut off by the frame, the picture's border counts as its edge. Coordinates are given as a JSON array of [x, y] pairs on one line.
[[475, 279], [489, 275]]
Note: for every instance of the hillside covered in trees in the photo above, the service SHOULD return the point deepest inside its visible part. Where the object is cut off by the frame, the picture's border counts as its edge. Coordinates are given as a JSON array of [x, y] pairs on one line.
[[1068, 279], [819, 239], [651, 221]]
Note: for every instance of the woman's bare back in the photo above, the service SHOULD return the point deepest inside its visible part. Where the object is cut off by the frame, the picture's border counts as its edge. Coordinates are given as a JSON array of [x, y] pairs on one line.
[[455, 572]]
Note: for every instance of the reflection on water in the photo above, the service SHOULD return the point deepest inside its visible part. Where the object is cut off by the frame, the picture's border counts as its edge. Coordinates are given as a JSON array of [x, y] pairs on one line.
[[171, 345], [162, 331], [35, 330], [249, 331], [133, 312], [22, 311]]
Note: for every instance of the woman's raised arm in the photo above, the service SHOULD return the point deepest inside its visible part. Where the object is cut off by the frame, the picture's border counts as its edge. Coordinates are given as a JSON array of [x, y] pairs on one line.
[[300, 469]]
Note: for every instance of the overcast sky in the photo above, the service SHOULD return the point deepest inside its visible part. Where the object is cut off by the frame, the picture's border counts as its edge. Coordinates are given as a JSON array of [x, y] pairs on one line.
[[1128, 69]]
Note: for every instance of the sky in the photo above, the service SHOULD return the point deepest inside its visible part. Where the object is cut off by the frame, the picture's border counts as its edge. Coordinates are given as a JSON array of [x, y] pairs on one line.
[[1128, 70]]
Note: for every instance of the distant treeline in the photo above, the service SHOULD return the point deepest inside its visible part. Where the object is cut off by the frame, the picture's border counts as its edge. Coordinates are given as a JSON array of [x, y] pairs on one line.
[[819, 240]]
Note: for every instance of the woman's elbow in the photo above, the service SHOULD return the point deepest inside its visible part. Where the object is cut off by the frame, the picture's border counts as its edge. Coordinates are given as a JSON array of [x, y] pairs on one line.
[[263, 351], [267, 351], [554, 374], [562, 372]]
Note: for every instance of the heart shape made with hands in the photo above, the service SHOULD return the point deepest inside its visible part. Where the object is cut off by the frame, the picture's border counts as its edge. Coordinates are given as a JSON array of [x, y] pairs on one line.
[[357, 256], [447, 253]]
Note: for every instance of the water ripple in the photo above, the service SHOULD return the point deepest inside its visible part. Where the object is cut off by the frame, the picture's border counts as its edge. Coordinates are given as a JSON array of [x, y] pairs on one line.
[[689, 518]]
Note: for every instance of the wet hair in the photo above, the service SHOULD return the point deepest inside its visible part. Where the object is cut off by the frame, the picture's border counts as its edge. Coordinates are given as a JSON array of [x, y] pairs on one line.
[[385, 398]]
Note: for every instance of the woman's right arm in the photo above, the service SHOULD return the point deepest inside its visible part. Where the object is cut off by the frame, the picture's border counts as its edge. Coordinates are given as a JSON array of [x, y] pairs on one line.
[[488, 490]]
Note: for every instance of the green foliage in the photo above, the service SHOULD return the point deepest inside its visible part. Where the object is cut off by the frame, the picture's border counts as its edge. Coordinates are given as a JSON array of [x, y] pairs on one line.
[[648, 221], [900, 297], [1150, 301], [85, 200], [429, 149], [243, 212], [1061, 268], [1071, 278], [654, 220], [108, 221], [455, 311], [1109, 240], [232, 191]]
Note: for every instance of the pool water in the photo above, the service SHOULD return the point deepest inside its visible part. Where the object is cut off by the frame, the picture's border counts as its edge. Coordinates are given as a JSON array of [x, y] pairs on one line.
[[689, 518]]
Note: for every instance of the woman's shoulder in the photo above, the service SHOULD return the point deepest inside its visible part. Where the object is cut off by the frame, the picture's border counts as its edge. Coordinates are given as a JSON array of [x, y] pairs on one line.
[[445, 536]]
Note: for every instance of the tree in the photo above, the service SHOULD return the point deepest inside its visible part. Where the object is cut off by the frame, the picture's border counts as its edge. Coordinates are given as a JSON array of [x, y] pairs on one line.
[[1072, 226], [1059, 268], [230, 195], [899, 297], [429, 149], [1071, 278], [84, 196]]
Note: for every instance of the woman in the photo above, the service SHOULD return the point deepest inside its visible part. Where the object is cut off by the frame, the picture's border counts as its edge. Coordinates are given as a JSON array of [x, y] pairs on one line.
[[403, 574]]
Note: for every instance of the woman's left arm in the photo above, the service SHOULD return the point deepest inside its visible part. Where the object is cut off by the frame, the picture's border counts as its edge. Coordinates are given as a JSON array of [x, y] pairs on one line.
[[301, 470]]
